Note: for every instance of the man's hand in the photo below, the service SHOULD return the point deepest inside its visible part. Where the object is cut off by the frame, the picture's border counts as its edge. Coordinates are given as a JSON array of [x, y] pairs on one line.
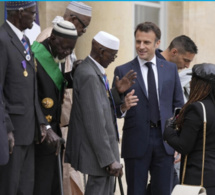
[[11, 141], [53, 139], [126, 82], [130, 101], [177, 157], [115, 169], [43, 132], [170, 123]]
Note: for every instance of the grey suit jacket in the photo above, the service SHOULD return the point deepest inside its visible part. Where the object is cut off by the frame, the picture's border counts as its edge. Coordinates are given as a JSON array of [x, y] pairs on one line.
[[92, 138], [23, 111]]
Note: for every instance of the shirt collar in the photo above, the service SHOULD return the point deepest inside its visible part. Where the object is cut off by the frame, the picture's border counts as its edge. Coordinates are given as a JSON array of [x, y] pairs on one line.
[[142, 62], [100, 67], [16, 30]]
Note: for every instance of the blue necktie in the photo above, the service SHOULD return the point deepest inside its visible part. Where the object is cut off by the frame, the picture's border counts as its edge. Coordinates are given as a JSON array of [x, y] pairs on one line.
[[25, 44], [113, 103], [152, 95]]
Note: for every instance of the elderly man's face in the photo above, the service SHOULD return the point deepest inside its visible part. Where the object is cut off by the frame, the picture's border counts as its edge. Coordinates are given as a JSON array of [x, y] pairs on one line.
[[108, 56], [62, 47], [81, 23], [27, 17]]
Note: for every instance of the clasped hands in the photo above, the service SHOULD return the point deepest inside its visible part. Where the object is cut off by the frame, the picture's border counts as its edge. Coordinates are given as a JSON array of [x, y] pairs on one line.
[[115, 169], [49, 136]]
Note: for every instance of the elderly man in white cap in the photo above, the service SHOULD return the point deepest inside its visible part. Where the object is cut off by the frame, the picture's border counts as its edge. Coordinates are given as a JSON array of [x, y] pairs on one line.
[[80, 15], [92, 142], [50, 62]]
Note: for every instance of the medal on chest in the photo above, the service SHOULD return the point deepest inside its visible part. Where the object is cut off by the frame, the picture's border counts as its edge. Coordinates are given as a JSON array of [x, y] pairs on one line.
[[28, 57], [24, 66]]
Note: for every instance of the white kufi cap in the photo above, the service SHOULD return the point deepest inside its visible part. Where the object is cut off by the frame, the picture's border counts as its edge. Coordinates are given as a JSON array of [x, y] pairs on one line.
[[107, 40], [80, 8], [65, 29]]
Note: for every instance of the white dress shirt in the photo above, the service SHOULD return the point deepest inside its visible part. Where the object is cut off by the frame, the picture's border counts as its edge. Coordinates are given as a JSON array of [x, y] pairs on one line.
[[18, 33]]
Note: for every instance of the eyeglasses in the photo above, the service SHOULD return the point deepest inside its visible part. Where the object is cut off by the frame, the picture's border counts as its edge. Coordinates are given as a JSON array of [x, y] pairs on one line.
[[82, 23], [113, 55]]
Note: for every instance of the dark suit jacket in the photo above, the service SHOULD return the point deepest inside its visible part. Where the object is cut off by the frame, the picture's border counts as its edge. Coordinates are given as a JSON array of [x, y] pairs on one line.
[[190, 141], [23, 111], [4, 148], [92, 139], [48, 89], [136, 127]]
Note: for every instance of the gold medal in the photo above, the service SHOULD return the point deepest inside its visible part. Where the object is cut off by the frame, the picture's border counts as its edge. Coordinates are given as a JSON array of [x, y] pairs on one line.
[[47, 102], [25, 73], [49, 118], [108, 94]]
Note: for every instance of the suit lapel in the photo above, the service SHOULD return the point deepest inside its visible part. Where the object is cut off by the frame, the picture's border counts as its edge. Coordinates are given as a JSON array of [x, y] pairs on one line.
[[17, 43], [161, 72], [136, 68]]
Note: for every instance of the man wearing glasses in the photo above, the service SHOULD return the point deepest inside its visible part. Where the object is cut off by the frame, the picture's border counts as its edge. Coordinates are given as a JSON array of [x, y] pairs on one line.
[[92, 146]]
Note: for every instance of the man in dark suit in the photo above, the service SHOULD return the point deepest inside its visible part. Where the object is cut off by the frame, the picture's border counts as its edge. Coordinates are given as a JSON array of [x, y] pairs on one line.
[[159, 92], [50, 59], [92, 142], [23, 113], [79, 14]]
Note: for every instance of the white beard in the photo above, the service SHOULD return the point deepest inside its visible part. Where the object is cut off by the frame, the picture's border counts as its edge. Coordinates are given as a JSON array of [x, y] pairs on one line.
[[57, 60]]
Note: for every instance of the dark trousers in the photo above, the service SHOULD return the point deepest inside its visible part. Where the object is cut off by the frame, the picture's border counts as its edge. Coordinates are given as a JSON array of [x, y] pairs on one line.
[[46, 173], [157, 162], [98, 185], [17, 177], [175, 182], [210, 191]]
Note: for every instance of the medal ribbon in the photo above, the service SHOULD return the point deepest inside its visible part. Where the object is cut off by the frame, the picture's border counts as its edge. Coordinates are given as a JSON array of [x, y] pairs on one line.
[[25, 44], [24, 64], [105, 80]]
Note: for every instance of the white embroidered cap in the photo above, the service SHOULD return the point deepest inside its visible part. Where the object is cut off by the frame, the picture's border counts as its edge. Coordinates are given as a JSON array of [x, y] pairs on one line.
[[65, 29], [107, 40], [80, 8]]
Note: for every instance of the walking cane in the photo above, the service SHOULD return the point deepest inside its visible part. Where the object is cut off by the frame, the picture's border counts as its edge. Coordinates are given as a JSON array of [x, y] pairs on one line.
[[60, 171], [120, 186]]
